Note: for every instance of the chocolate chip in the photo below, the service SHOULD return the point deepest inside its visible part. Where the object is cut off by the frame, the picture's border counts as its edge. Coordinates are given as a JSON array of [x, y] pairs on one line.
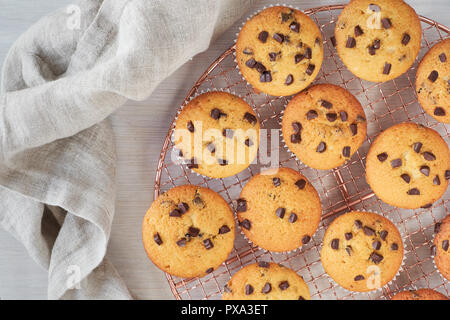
[[405, 39], [181, 242], [376, 44], [433, 250], [358, 31], [344, 116], [267, 288], [351, 42], [354, 129], [349, 250], [425, 170], [295, 27], [333, 41], [297, 126], [445, 245], [247, 51], [248, 142], [175, 213], [335, 244], [192, 164], [292, 218], [437, 227], [272, 56], [394, 247], [216, 114], [326, 104], [309, 71], [276, 182], [278, 37], [289, 80], [308, 53], [301, 184], [376, 258], [368, 231], [317, 41], [280, 212], [447, 174], [208, 244], [386, 22], [436, 181], [251, 63], [260, 67], [440, 112], [285, 16], [157, 239], [360, 118], [222, 162], [266, 76], [296, 138], [348, 236], [417, 146], [371, 50], [183, 207], [426, 206], [190, 126], [429, 156], [413, 192], [246, 224], [376, 245], [193, 232], [383, 235], [199, 202], [443, 57], [346, 151], [224, 229], [406, 177], [306, 239], [262, 36], [321, 147], [250, 118], [396, 163], [312, 114], [331, 116], [211, 147], [209, 270], [241, 205], [374, 8], [433, 76], [248, 289], [382, 157], [263, 264], [283, 285], [358, 224], [298, 57], [387, 68], [359, 277]]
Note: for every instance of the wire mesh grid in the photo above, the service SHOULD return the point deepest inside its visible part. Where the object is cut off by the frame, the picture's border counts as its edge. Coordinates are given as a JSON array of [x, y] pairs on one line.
[[341, 189]]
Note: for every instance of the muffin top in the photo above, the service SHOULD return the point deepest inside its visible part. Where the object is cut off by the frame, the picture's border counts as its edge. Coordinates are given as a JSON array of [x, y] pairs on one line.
[[408, 166], [362, 251], [378, 40], [420, 294], [188, 231], [279, 210], [279, 51], [217, 134], [266, 281], [323, 126], [441, 248]]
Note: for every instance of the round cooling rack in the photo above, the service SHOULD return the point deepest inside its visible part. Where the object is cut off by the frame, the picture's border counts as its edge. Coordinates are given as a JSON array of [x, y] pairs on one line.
[[341, 189]]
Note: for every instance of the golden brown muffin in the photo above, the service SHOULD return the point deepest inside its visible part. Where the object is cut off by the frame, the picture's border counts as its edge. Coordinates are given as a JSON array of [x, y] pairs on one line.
[[420, 294], [441, 250]]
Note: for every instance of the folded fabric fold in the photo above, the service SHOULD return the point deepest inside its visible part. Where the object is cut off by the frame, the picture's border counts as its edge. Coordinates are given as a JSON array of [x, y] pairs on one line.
[[60, 82]]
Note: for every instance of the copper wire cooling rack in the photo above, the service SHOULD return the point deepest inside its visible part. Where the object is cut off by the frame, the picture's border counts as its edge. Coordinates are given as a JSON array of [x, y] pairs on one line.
[[341, 190]]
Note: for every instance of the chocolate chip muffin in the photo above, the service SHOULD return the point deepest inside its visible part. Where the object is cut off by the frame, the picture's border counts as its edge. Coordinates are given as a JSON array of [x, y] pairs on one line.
[[408, 166], [420, 294], [378, 40], [266, 281], [324, 126], [217, 134], [362, 251], [279, 51], [188, 231], [440, 249], [433, 81], [279, 210]]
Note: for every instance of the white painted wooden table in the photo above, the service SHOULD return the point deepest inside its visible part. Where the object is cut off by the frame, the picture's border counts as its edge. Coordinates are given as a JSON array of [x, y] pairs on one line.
[[140, 129]]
